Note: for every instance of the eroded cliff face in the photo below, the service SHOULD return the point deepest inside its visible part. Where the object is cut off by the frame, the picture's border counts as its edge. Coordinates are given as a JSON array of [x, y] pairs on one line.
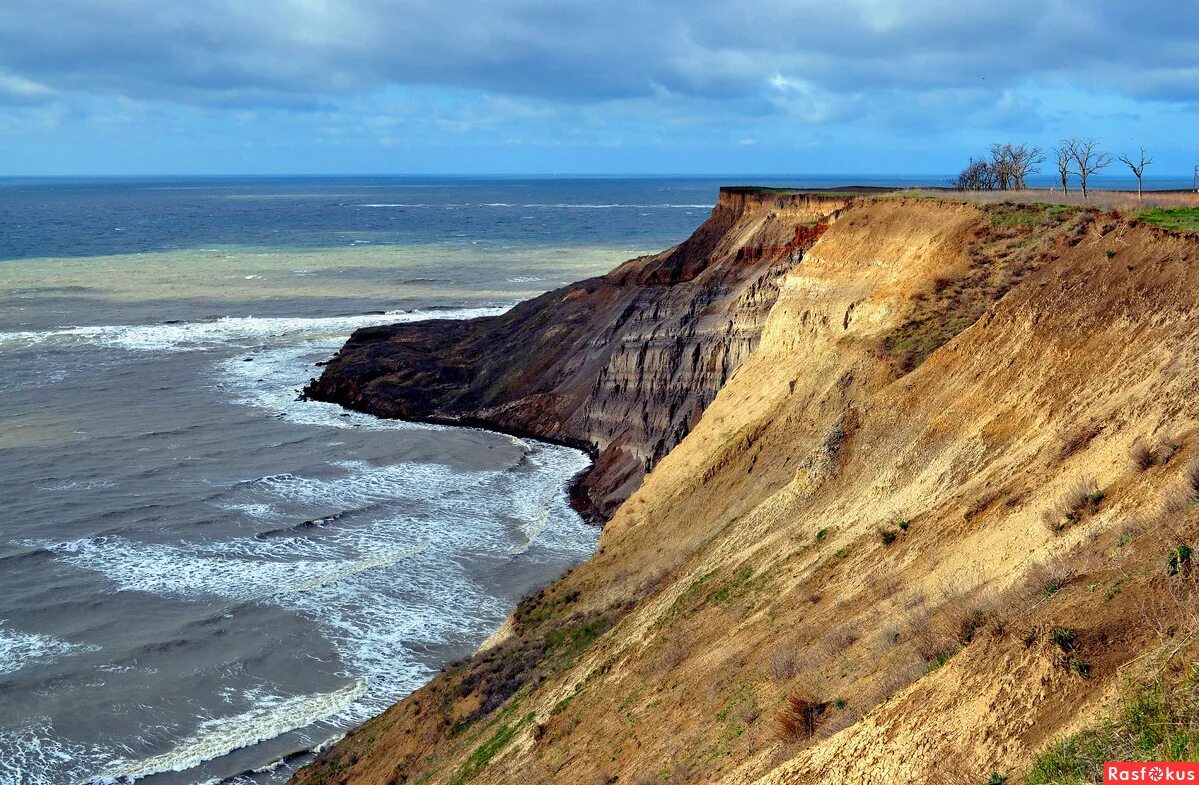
[[623, 364], [904, 543]]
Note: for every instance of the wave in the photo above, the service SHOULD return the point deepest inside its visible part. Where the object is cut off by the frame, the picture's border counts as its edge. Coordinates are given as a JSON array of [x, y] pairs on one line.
[[272, 717], [34, 754], [247, 569], [18, 649], [194, 336]]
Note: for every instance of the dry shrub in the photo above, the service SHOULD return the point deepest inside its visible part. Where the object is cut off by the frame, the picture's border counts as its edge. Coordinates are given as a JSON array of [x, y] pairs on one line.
[[1171, 607], [673, 654], [1078, 439], [1186, 494], [1047, 578], [784, 663], [1142, 455], [966, 609], [969, 616], [799, 717], [838, 640], [1166, 447], [1080, 500], [930, 640], [882, 585]]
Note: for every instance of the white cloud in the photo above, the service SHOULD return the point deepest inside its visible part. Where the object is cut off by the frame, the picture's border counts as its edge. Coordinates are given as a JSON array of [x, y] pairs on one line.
[[18, 88]]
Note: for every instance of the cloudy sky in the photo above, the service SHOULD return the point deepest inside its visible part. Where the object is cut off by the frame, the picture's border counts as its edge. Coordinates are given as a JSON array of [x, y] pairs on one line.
[[585, 86]]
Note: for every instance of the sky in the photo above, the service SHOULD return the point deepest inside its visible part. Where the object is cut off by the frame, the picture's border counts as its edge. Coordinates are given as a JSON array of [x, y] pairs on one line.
[[90, 87]]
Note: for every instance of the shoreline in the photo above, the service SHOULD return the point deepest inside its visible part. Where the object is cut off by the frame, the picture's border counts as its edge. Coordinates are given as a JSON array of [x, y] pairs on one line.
[[576, 497]]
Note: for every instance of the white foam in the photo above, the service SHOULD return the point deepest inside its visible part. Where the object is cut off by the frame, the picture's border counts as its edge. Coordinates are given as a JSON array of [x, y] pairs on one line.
[[193, 336], [386, 583], [18, 649], [272, 716], [243, 569], [35, 754]]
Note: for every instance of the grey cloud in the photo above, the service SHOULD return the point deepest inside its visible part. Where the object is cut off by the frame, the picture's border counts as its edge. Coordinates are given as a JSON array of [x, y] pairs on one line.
[[303, 53]]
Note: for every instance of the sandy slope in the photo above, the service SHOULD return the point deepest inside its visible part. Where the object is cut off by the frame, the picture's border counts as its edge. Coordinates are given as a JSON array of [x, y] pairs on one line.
[[872, 539]]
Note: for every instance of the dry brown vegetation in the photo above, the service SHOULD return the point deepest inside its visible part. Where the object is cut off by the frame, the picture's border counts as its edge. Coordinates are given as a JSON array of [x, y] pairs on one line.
[[799, 717], [977, 636], [1081, 499], [1122, 201]]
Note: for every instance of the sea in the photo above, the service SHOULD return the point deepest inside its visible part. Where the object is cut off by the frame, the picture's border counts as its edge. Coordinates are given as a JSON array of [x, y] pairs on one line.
[[203, 579]]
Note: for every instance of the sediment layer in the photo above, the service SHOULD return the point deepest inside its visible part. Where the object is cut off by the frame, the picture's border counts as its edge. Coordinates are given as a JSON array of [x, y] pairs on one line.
[[622, 365]]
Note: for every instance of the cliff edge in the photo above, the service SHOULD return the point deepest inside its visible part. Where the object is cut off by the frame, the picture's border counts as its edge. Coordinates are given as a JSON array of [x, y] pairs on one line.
[[935, 520], [622, 365]]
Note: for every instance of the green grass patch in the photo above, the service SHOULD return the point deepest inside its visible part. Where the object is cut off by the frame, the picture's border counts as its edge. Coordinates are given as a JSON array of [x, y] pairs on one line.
[[734, 587], [1157, 721], [488, 749], [940, 659], [1183, 219]]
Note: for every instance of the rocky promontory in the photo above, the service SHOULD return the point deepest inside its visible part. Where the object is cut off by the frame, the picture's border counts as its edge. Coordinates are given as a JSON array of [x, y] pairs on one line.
[[622, 365]]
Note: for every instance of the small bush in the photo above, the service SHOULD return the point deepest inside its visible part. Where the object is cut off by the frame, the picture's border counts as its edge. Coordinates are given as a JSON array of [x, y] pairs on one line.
[[1141, 455], [1047, 578], [799, 717], [784, 663], [888, 536], [1178, 562], [1064, 638], [1186, 495], [1083, 498], [941, 658]]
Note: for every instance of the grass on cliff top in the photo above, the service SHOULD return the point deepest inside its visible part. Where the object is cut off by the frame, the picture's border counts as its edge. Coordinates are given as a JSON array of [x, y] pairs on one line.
[[1183, 219], [1018, 239], [1158, 721]]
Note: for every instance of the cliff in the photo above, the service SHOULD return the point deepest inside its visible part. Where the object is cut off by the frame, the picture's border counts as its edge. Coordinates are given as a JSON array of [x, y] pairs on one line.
[[622, 365], [938, 515]]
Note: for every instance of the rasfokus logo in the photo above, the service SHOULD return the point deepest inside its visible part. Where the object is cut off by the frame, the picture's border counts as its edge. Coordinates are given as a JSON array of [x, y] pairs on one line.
[[1150, 772]]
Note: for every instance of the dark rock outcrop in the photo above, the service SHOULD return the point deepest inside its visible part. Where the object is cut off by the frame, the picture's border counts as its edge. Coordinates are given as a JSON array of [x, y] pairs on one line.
[[622, 365]]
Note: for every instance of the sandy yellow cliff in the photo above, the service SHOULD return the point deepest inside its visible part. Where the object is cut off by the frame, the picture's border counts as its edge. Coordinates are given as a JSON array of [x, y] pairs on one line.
[[929, 523]]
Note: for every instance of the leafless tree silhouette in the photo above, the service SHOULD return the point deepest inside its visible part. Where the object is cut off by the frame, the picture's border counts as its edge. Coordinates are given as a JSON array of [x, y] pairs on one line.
[[1138, 168], [1088, 159], [1064, 158]]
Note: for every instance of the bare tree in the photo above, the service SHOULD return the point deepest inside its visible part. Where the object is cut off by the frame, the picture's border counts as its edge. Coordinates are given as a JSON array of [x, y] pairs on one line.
[[1001, 166], [1023, 161], [1065, 156], [1088, 159], [977, 176], [1138, 168], [1012, 164]]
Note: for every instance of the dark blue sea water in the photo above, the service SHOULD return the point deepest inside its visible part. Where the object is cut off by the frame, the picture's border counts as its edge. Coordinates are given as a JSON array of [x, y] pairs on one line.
[[90, 217]]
